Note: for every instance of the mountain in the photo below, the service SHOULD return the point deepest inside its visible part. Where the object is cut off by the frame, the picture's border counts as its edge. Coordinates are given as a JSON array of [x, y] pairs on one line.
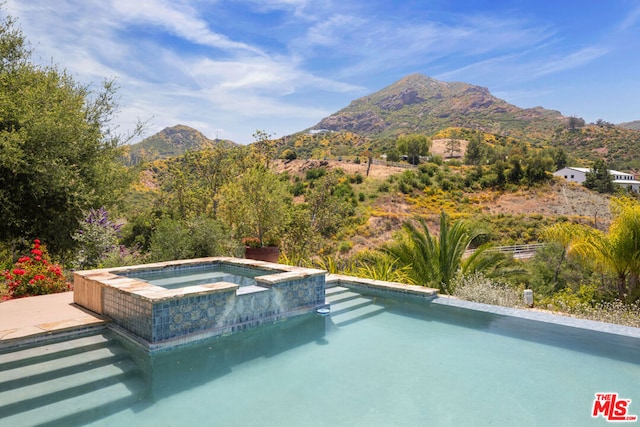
[[170, 142], [634, 125], [420, 104]]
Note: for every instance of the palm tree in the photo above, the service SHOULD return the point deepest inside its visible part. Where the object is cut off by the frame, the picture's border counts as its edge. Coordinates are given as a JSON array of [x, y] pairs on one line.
[[436, 261], [492, 264], [567, 235], [617, 251]]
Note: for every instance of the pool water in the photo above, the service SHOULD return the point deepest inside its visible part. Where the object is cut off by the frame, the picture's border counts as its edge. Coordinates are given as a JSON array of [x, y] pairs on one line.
[[199, 275], [383, 362]]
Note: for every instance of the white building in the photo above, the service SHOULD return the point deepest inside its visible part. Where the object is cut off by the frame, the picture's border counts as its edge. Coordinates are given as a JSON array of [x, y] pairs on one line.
[[579, 175]]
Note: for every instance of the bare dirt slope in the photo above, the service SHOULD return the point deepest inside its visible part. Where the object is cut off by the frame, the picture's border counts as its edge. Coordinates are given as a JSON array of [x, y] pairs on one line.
[[561, 198], [301, 166], [441, 148]]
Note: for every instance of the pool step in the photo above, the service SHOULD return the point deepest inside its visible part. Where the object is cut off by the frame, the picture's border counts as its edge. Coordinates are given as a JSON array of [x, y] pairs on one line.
[[33, 355], [349, 307], [68, 383]]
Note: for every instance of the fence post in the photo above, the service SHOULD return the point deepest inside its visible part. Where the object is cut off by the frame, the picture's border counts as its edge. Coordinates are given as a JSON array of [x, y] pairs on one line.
[[528, 297]]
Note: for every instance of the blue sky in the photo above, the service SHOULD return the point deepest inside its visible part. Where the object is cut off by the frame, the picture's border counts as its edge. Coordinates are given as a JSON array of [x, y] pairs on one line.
[[228, 68]]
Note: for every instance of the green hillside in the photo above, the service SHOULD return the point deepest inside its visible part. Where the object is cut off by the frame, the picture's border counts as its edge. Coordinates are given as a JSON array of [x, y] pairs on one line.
[[169, 142]]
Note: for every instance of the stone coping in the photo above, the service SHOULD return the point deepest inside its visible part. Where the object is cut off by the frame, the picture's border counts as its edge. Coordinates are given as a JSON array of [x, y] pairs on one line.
[[392, 287], [276, 273], [541, 316]]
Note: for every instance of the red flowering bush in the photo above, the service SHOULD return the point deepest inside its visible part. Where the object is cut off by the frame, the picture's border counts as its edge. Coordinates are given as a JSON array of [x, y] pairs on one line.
[[34, 275]]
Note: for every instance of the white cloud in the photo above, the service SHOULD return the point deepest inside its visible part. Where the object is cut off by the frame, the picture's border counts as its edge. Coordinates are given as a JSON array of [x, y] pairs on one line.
[[179, 19], [570, 61], [631, 19]]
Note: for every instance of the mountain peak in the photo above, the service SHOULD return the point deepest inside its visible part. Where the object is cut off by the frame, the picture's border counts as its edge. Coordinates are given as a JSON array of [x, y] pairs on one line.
[[169, 142], [420, 104]]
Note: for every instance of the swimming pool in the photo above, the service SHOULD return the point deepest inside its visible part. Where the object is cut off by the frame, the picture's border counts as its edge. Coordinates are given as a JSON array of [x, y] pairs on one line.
[[378, 362]]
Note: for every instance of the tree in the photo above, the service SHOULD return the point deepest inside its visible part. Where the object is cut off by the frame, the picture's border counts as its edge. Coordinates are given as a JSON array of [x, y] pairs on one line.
[[566, 235], [574, 123], [475, 151], [413, 146], [453, 146], [617, 251], [436, 261], [58, 156], [264, 145], [194, 238], [328, 203], [393, 155], [537, 168], [515, 171], [190, 183], [258, 204], [499, 168], [560, 158], [599, 178]]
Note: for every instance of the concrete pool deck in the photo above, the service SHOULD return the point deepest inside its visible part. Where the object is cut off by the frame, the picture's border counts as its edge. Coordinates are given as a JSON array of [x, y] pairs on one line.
[[28, 319]]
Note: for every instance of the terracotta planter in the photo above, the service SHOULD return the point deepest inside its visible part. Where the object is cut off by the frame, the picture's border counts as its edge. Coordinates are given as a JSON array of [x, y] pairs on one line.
[[265, 253]]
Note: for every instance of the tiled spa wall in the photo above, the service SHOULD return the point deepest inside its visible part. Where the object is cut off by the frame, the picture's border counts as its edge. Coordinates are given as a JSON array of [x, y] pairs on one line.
[[168, 317]]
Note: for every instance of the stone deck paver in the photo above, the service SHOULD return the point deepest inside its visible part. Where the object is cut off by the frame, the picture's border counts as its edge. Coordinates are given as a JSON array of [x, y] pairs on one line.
[[26, 318]]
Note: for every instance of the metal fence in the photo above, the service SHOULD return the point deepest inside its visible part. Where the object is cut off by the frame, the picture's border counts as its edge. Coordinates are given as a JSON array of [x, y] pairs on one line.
[[518, 251]]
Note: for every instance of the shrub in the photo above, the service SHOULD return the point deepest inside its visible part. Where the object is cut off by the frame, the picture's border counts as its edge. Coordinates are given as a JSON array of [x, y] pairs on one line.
[[384, 187], [289, 154], [344, 246], [581, 304], [34, 275], [96, 237], [315, 173], [478, 288], [356, 178], [298, 189]]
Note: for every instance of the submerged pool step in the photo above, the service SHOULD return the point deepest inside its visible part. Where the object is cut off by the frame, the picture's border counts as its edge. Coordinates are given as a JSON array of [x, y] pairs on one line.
[[68, 383], [81, 409], [349, 307], [42, 393], [356, 314], [336, 297], [32, 355], [342, 305], [336, 290], [58, 366]]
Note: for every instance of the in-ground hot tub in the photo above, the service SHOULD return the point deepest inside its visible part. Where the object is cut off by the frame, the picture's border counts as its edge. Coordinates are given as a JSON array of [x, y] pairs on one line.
[[171, 303]]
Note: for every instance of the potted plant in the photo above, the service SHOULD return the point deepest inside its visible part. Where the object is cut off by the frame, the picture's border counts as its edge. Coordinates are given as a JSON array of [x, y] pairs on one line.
[[254, 249]]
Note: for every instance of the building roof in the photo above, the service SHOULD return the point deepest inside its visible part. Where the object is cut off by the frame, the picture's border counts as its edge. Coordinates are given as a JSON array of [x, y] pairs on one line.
[[587, 170], [612, 172], [583, 170], [626, 181]]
